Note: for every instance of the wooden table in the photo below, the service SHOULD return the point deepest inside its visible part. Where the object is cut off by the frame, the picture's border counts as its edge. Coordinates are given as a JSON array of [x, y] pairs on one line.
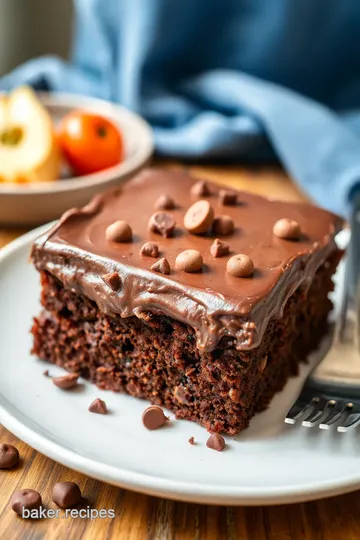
[[141, 517]]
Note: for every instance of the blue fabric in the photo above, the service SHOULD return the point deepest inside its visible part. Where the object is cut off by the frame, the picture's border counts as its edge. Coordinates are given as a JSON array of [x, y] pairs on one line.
[[220, 78]]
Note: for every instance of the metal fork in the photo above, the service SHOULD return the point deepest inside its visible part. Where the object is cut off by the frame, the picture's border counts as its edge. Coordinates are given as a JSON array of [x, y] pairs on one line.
[[331, 393]]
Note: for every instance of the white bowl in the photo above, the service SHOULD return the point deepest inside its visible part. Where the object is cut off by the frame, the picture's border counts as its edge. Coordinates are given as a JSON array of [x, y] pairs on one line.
[[30, 204]]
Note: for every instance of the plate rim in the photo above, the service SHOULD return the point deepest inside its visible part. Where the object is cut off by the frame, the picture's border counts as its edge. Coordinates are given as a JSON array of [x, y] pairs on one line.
[[153, 485]]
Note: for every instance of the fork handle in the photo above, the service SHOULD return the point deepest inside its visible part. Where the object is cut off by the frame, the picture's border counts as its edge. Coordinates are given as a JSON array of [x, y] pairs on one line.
[[340, 369]]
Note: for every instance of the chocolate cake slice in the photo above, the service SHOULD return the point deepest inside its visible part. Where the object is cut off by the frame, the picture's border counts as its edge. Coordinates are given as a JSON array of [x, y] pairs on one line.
[[187, 294]]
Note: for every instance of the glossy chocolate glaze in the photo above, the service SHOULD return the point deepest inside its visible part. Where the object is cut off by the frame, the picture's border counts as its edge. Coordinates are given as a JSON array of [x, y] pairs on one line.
[[214, 303]]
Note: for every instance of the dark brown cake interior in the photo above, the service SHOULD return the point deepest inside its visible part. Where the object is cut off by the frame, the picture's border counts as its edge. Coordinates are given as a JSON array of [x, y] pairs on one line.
[[156, 357]]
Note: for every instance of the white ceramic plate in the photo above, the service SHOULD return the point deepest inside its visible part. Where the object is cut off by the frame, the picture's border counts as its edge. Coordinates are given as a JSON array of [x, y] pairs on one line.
[[269, 463], [29, 204]]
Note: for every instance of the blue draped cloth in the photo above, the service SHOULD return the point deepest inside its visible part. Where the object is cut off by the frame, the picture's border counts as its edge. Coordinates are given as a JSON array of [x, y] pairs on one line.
[[227, 79]]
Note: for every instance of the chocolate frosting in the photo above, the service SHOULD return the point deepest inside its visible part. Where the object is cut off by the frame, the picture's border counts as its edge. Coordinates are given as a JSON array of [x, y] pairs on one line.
[[213, 302]]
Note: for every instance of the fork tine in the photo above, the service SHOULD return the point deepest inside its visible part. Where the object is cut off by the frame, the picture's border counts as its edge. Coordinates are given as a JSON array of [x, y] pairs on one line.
[[340, 412], [321, 411], [294, 413], [352, 420], [300, 409], [330, 420]]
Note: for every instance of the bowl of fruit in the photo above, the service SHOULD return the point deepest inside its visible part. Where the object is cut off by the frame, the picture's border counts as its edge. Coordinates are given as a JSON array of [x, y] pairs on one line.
[[58, 150]]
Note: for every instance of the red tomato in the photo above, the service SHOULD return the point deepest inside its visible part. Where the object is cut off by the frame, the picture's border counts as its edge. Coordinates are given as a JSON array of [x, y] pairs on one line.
[[90, 142]]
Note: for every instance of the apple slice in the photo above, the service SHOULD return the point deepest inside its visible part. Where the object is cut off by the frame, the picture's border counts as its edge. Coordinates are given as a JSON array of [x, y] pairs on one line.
[[28, 148]]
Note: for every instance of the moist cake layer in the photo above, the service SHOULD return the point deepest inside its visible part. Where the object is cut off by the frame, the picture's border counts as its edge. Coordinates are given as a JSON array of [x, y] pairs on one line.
[[212, 302], [156, 357]]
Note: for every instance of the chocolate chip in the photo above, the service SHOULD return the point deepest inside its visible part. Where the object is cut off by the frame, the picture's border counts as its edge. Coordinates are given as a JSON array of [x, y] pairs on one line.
[[27, 499], [120, 231], [162, 266], [66, 494], [227, 198], [162, 223], [216, 442], [223, 225], [153, 417], [113, 280], [165, 202], [192, 440], [98, 406], [9, 456], [150, 249], [189, 261], [46, 373], [240, 266], [288, 229], [219, 248], [199, 217], [66, 381], [200, 189]]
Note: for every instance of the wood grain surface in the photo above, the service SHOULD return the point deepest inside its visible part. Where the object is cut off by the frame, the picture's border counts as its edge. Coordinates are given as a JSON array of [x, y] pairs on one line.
[[141, 517]]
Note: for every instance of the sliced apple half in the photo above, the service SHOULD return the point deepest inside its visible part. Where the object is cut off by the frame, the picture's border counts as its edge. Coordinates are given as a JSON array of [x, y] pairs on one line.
[[28, 148]]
